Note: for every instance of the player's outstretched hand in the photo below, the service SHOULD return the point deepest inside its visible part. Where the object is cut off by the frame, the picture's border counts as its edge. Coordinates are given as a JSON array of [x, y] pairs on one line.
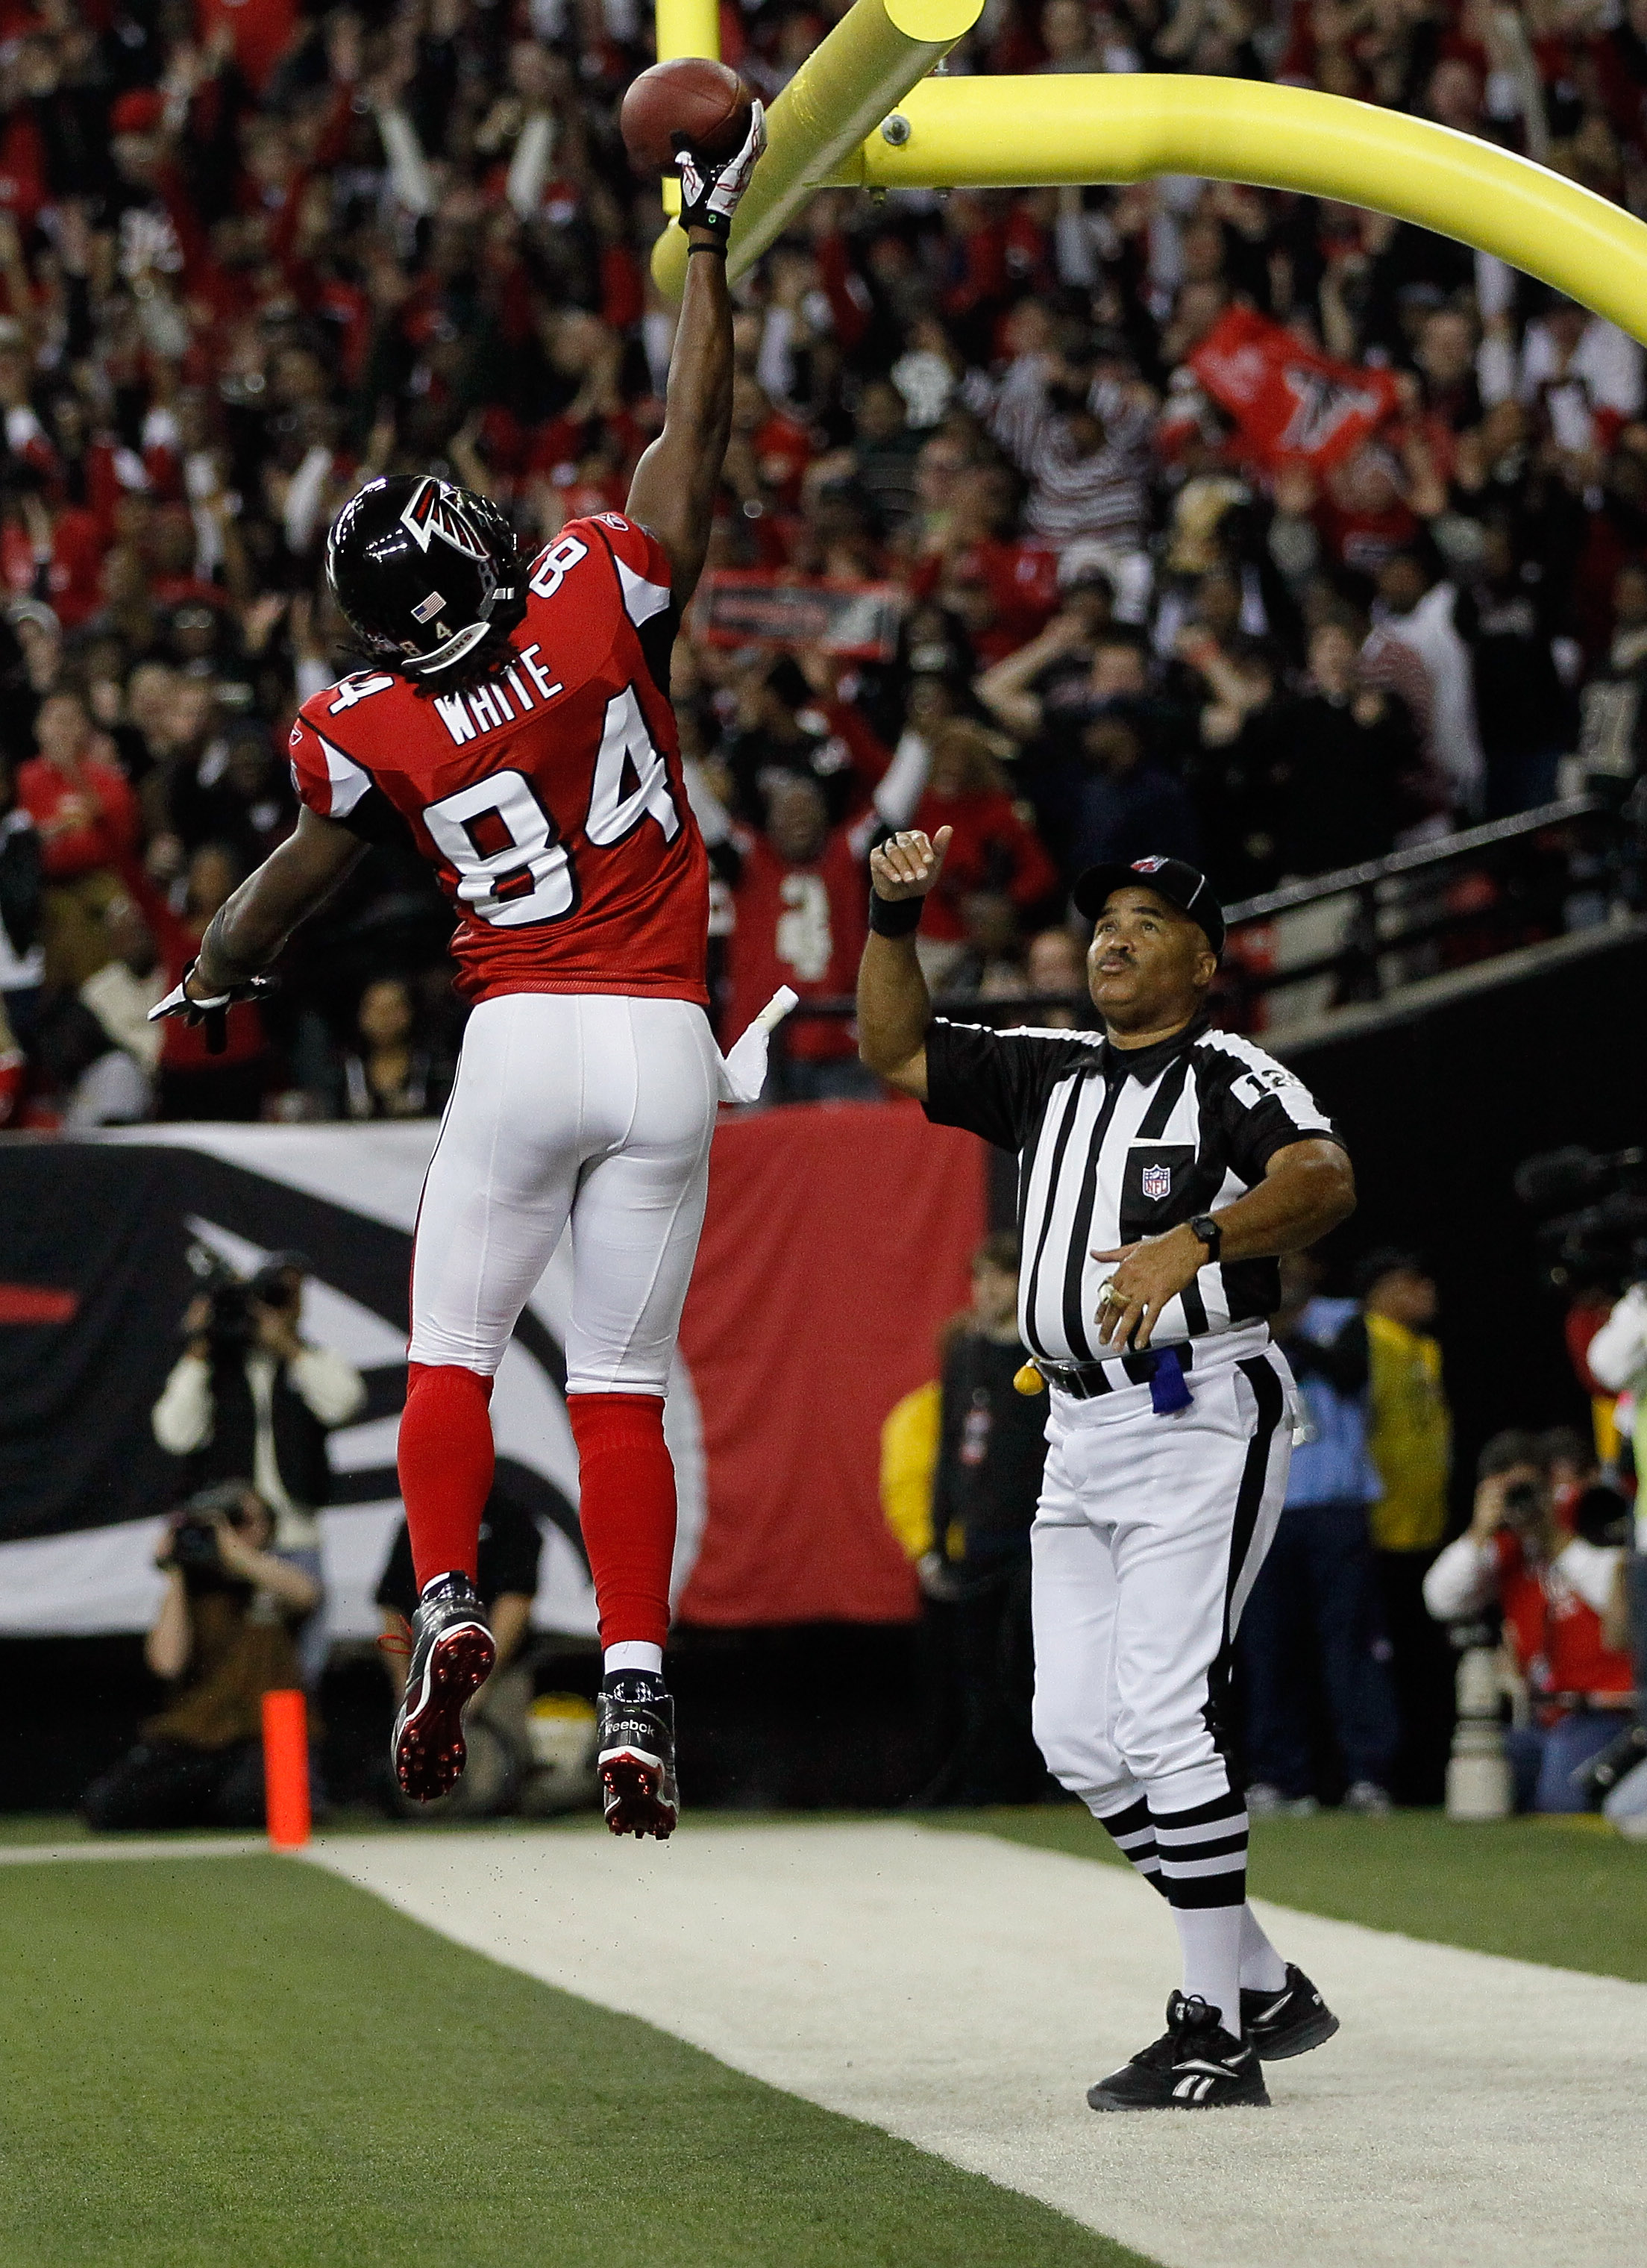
[[709, 192], [212, 1010], [908, 866]]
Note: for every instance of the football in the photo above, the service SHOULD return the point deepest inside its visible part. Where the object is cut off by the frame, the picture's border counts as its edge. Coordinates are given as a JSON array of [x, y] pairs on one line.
[[706, 103]]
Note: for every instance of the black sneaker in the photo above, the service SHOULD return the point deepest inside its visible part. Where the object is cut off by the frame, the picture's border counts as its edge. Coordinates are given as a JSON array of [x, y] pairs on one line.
[[1288, 2022], [1195, 2066], [634, 1754], [452, 1655]]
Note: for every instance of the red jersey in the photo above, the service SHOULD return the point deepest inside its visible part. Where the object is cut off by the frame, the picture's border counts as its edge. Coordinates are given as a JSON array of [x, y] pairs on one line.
[[108, 837], [1553, 1616], [801, 926], [991, 848], [549, 800]]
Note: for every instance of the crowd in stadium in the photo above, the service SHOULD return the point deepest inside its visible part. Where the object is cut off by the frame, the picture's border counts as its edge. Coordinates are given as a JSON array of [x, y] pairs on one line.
[[1181, 517]]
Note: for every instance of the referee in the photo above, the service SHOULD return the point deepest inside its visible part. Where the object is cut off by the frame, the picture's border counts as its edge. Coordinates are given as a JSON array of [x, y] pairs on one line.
[[1162, 1167]]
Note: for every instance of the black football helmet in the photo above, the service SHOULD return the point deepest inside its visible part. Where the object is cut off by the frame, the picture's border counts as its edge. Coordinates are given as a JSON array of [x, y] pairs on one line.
[[423, 571]]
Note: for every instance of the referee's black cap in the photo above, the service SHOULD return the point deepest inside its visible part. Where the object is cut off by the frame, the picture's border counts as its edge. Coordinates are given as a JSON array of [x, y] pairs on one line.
[[1175, 879]]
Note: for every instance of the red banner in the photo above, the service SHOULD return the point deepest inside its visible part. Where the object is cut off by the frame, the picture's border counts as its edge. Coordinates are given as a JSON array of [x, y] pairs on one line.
[[838, 1240], [1292, 403]]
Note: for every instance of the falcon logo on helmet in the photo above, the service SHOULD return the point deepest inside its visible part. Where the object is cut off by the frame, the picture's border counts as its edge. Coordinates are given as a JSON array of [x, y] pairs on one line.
[[435, 510], [426, 614]]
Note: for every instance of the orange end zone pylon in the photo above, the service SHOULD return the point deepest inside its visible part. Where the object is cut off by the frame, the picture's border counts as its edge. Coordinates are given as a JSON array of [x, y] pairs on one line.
[[286, 1768]]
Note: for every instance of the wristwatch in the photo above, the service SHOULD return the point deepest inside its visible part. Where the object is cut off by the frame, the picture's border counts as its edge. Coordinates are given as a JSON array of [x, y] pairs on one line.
[[1206, 1228]]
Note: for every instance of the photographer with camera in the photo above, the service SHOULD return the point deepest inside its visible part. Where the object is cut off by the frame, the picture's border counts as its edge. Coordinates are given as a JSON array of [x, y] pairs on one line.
[[1560, 1597], [250, 1396], [228, 1631]]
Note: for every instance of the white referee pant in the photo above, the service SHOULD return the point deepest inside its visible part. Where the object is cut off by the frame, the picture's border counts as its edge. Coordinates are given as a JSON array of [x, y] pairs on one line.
[[1149, 1533], [595, 1107]]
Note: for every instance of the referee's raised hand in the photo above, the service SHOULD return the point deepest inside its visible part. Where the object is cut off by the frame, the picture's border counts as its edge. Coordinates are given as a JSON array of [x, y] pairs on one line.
[[908, 865]]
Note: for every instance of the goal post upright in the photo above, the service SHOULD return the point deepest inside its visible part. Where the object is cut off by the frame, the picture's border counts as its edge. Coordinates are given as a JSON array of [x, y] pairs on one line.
[[1061, 129], [686, 28], [862, 113], [860, 70]]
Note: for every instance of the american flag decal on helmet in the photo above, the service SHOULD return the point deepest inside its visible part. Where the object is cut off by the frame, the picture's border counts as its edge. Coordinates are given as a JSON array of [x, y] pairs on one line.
[[433, 510]]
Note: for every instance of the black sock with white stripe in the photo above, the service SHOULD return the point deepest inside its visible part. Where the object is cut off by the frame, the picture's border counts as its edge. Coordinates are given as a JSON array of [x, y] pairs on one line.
[[1133, 1833], [1203, 1866], [1134, 1837], [1203, 1851]]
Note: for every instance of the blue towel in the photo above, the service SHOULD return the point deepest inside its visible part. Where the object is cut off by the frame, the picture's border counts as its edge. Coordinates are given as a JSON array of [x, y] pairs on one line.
[[1169, 1392]]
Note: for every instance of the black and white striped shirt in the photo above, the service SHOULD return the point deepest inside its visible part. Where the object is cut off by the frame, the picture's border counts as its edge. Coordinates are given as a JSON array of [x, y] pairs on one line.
[[1102, 498], [1117, 1144]]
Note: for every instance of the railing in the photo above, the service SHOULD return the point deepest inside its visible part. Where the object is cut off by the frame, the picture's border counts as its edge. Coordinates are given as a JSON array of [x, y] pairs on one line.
[[1355, 935], [1358, 933]]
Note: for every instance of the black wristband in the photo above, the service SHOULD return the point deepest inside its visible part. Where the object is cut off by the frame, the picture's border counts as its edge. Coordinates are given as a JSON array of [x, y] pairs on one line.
[[717, 245], [895, 916]]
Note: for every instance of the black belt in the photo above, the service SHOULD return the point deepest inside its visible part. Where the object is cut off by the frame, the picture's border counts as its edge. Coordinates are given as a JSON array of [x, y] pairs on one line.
[[1086, 1381]]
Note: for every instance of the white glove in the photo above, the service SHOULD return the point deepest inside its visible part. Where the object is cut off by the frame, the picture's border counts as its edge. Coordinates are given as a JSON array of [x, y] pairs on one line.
[[743, 1066], [710, 194]]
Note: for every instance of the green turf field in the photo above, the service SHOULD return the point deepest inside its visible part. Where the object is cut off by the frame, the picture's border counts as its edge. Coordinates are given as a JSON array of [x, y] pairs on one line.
[[243, 2063], [1569, 1892], [238, 2062]]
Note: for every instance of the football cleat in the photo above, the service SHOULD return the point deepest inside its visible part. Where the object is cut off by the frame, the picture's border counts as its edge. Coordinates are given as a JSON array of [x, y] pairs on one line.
[[1288, 2022], [1195, 2066], [452, 1655], [634, 1754]]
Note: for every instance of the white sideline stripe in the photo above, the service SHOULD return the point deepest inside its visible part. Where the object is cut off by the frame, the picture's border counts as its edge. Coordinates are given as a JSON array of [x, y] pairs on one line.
[[963, 1992], [135, 1846]]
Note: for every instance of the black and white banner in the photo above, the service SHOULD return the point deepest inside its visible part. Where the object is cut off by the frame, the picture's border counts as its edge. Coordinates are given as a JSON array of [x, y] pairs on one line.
[[93, 1281]]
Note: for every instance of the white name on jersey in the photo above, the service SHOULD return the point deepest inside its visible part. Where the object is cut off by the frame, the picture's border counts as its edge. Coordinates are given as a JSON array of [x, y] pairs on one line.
[[487, 707]]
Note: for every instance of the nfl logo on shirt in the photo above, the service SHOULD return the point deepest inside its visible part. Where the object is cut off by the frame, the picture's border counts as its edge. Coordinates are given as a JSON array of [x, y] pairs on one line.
[[1156, 1182]]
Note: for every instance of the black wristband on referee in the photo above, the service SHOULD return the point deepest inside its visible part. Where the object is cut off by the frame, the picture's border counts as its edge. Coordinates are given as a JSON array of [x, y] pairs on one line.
[[895, 916]]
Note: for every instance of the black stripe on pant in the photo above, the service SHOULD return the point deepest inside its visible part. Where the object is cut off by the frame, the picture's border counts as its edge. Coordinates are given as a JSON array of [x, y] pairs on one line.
[[1260, 1376]]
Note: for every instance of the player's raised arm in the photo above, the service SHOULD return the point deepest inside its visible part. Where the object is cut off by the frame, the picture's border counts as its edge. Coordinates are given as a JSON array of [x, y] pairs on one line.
[[675, 482]]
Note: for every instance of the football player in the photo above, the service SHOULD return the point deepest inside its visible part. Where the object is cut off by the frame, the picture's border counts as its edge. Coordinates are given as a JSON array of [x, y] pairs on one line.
[[515, 717]]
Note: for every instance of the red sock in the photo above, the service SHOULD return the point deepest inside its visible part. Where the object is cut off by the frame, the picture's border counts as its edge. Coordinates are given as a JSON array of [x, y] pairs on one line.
[[445, 1459], [627, 1505]]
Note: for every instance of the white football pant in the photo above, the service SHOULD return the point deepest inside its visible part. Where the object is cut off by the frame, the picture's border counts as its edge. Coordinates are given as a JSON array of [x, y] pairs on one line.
[[1149, 1535], [592, 1107]]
